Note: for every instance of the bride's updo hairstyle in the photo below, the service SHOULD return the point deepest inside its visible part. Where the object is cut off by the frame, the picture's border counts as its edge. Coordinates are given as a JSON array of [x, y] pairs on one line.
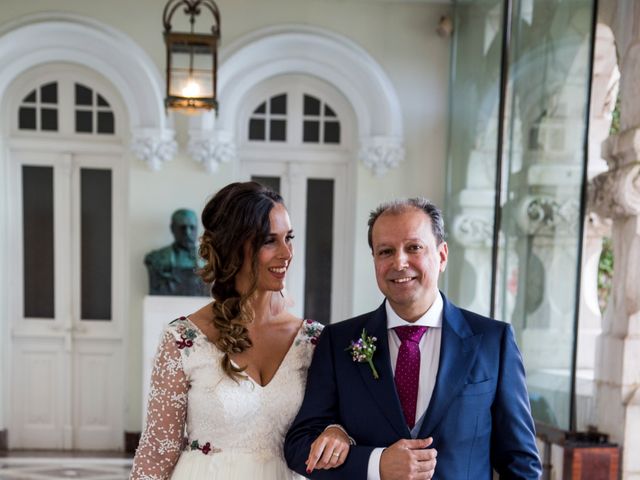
[[236, 214]]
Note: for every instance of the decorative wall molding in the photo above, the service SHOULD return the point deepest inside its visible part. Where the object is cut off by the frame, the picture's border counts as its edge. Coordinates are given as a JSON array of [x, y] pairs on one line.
[[546, 215], [61, 37], [154, 147], [616, 192], [381, 154], [473, 230], [212, 148], [622, 149]]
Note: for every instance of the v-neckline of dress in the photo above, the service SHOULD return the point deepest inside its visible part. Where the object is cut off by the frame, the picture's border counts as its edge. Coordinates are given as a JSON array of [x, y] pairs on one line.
[[249, 377]]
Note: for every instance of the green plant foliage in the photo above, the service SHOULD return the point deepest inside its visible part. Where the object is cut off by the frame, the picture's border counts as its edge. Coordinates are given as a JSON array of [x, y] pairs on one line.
[[605, 273], [615, 118]]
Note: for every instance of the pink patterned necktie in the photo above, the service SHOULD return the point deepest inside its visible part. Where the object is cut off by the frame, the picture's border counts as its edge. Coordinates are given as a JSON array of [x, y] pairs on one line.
[[408, 370]]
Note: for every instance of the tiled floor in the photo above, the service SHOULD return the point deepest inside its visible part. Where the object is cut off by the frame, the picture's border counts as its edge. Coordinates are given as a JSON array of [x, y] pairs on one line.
[[52, 468]]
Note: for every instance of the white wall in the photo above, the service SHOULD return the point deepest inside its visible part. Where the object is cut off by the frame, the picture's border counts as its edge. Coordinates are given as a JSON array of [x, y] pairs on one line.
[[399, 36]]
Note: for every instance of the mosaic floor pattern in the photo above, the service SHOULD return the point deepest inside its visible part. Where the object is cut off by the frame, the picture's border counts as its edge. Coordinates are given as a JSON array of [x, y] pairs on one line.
[[60, 468]]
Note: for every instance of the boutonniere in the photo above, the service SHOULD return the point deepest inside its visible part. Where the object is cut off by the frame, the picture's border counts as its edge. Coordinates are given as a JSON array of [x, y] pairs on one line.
[[362, 350]]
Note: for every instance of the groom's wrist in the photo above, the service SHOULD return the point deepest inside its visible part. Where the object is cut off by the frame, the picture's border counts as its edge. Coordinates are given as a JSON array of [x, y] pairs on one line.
[[342, 429]]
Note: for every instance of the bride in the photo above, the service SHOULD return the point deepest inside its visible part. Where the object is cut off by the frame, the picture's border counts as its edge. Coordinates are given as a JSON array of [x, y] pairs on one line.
[[234, 372]]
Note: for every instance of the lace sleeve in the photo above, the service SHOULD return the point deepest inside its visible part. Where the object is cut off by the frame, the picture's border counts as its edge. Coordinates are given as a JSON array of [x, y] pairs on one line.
[[161, 442]]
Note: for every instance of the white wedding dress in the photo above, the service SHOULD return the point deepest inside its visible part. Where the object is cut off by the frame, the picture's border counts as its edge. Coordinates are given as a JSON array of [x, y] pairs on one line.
[[234, 431]]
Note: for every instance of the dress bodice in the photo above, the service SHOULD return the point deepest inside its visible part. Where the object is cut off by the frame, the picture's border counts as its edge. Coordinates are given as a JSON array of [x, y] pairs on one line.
[[190, 389]]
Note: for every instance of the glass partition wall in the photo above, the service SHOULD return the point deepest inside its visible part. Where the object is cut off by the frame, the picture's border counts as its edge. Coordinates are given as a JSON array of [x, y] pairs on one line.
[[519, 91]]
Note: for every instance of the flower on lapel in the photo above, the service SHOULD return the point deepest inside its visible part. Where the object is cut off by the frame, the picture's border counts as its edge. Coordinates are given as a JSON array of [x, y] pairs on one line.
[[362, 350]]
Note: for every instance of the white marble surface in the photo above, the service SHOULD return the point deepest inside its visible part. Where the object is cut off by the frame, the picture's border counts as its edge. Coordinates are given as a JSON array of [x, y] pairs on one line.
[[38, 468]]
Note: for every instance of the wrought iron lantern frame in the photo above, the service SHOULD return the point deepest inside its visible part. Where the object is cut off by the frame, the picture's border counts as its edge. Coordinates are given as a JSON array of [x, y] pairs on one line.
[[192, 44]]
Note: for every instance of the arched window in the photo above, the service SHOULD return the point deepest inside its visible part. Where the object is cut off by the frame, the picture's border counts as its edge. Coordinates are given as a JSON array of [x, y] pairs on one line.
[[68, 107], [268, 122], [93, 113], [309, 120], [320, 124], [39, 109]]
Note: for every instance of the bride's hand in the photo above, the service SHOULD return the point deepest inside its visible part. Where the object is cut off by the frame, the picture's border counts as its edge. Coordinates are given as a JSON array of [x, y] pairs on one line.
[[329, 450]]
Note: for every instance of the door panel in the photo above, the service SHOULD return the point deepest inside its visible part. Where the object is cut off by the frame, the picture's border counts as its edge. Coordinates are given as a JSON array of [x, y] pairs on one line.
[[315, 195], [39, 388], [66, 366], [97, 374]]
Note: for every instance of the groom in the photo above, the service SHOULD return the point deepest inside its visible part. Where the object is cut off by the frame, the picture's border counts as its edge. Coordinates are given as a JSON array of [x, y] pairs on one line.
[[449, 379]]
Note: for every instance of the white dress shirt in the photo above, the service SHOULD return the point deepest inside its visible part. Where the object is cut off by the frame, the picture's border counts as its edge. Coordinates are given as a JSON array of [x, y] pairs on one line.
[[429, 361]]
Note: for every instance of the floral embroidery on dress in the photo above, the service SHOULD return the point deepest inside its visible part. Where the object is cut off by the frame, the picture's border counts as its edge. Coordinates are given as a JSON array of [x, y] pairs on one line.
[[310, 332], [252, 421], [187, 335], [206, 448]]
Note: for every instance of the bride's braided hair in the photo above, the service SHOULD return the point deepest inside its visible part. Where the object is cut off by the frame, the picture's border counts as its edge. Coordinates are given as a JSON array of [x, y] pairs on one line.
[[236, 214]]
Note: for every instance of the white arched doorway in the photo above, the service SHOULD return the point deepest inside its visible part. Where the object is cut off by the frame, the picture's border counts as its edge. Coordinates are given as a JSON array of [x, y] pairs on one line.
[[296, 134], [66, 174], [69, 108]]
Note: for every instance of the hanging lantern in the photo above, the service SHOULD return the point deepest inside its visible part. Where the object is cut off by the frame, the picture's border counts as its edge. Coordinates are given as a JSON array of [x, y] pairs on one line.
[[192, 57]]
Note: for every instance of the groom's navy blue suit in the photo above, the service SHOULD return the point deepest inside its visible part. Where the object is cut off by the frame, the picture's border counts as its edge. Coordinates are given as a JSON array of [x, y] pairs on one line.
[[479, 414]]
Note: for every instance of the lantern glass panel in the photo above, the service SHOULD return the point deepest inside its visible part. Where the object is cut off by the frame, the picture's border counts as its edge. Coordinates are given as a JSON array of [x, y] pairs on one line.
[[191, 74]]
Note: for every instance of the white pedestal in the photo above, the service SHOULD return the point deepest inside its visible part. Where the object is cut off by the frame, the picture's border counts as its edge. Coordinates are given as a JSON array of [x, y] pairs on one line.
[[157, 312]]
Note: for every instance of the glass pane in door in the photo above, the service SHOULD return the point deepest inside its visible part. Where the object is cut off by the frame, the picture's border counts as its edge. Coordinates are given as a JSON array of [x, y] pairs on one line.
[[272, 182], [543, 166], [471, 167], [96, 233], [37, 244], [319, 250]]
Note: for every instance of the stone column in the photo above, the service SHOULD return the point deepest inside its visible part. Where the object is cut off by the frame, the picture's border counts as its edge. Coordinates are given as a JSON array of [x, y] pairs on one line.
[[615, 194]]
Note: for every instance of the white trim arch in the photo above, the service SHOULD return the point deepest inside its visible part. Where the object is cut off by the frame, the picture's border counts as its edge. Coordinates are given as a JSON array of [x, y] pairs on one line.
[[56, 37], [282, 50]]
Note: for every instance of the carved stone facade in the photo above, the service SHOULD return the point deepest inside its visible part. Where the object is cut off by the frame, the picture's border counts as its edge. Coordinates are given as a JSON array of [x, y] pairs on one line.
[[154, 147], [381, 154], [615, 194], [546, 215], [211, 148]]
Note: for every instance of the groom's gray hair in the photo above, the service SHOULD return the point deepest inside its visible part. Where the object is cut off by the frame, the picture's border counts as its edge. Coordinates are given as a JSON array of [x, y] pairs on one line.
[[401, 205]]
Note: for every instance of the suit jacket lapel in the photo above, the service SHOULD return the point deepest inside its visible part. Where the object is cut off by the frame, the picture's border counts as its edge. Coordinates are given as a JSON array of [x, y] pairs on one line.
[[383, 390], [458, 350]]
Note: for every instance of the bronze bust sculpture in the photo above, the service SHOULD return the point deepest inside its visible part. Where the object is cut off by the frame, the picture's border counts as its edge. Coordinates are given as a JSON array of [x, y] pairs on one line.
[[172, 269]]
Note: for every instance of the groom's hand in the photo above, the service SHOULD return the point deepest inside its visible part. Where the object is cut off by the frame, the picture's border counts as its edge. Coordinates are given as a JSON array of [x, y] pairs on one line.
[[408, 460]]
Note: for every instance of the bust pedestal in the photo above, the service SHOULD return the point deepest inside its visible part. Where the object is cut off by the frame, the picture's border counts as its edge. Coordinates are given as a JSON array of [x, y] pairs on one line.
[[158, 312]]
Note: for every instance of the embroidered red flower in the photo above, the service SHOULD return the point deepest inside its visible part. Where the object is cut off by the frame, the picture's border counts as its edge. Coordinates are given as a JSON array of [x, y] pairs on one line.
[[184, 343], [205, 449], [310, 332]]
